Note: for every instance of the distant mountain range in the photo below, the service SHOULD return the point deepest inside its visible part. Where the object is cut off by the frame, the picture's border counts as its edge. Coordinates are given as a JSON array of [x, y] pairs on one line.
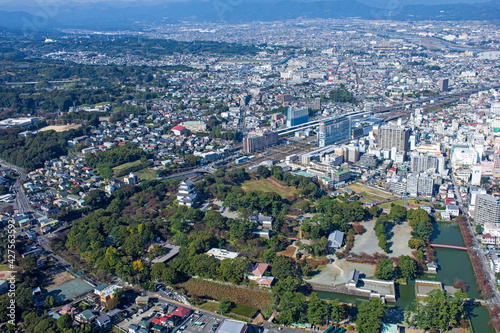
[[133, 15]]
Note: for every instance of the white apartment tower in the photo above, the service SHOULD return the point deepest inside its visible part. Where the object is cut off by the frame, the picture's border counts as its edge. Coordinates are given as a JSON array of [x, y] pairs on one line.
[[487, 209]]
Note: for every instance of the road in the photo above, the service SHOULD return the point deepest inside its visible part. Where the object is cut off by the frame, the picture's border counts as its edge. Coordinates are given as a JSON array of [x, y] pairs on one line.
[[495, 299], [22, 202]]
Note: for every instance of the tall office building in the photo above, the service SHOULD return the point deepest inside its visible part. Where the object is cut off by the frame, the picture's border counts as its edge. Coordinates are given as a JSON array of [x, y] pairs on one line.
[[443, 84], [258, 141], [296, 116], [334, 130], [391, 136], [487, 209]]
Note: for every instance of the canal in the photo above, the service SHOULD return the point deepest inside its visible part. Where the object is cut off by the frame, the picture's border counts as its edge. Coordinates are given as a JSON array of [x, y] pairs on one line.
[[453, 265]]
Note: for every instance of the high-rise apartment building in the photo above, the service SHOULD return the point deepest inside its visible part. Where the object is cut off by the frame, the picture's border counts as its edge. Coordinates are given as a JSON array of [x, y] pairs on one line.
[[487, 209], [420, 185], [335, 130], [443, 84], [296, 116], [392, 136], [423, 162], [258, 141]]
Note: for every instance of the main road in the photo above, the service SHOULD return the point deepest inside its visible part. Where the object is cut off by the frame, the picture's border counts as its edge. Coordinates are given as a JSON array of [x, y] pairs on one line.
[[23, 204]]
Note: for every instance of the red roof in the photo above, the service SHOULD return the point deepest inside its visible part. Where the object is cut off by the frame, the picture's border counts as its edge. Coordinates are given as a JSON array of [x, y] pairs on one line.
[[266, 280], [181, 312], [178, 128], [156, 320], [259, 269]]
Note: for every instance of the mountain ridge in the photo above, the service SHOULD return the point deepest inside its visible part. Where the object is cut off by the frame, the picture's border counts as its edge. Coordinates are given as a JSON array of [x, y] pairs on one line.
[[135, 15]]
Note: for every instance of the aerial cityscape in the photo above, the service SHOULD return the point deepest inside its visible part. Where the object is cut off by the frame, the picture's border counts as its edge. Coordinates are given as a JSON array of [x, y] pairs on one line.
[[229, 166]]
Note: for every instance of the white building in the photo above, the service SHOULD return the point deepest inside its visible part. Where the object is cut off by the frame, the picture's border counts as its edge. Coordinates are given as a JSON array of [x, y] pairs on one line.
[[452, 210], [487, 209], [131, 179], [476, 175], [222, 254], [463, 156]]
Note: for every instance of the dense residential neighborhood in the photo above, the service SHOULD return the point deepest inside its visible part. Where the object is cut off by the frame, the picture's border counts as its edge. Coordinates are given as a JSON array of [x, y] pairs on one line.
[[323, 175]]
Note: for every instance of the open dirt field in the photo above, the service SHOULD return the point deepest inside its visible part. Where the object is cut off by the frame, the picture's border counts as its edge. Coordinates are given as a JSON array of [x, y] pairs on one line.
[[59, 128], [289, 252], [398, 243], [53, 277], [338, 272]]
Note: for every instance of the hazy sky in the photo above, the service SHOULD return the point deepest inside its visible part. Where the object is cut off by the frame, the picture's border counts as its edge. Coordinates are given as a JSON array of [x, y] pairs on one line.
[[379, 3]]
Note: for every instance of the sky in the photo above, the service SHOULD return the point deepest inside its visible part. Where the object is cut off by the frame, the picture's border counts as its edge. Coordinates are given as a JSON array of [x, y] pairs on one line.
[[378, 3]]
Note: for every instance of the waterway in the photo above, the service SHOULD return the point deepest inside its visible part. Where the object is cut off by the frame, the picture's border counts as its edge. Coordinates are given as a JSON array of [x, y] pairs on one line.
[[453, 265]]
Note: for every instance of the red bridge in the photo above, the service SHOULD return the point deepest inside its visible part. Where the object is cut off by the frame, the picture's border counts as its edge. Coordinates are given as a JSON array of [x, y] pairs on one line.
[[449, 246]]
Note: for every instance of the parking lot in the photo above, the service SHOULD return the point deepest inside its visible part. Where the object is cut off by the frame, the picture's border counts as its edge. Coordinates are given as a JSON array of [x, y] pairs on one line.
[[197, 322], [202, 323]]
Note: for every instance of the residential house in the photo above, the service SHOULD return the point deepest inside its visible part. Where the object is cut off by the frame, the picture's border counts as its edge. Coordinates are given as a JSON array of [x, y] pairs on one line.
[[85, 317], [133, 328], [103, 320], [67, 309], [258, 274]]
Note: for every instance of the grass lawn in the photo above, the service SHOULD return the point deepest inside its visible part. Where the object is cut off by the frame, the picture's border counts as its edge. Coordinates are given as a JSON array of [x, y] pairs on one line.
[[370, 192], [245, 311], [119, 168], [373, 197], [210, 306], [145, 174], [389, 204], [269, 185], [4, 268], [418, 202]]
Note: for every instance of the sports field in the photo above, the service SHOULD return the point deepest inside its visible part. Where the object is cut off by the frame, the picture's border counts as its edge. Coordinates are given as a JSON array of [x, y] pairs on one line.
[[70, 290], [59, 128]]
